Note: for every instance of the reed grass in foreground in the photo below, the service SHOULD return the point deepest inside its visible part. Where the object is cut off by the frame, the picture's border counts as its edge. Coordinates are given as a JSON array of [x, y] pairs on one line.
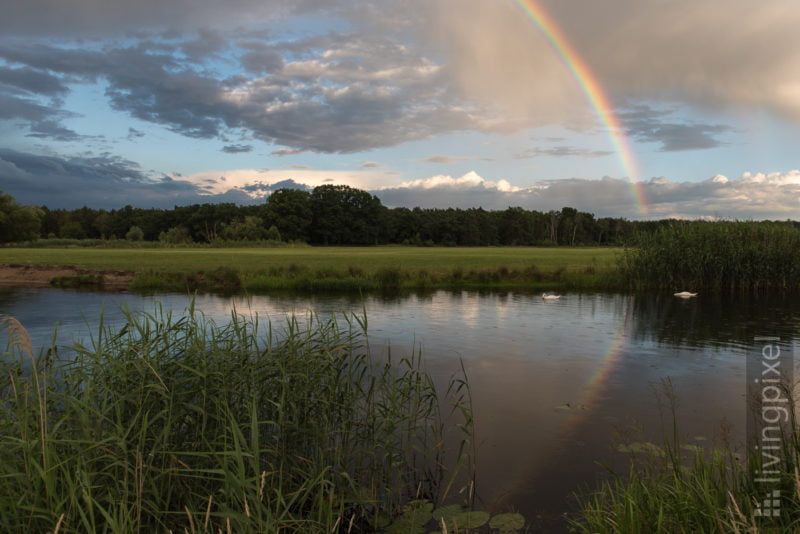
[[679, 488], [177, 424]]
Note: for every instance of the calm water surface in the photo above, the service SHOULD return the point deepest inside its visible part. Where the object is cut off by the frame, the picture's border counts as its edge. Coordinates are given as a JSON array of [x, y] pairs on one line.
[[554, 384]]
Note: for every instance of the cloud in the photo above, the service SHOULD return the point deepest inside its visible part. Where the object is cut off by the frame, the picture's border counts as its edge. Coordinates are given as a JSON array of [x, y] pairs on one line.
[[471, 180], [705, 53], [286, 152], [371, 165], [237, 149], [399, 74], [133, 133], [260, 189], [41, 120], [751, 196], [99, 182], [112, 17], [250, 181], [562, 152], [403, 71], [446, 160], [652, 126], [107, 181], [334, 93], [32, 81]]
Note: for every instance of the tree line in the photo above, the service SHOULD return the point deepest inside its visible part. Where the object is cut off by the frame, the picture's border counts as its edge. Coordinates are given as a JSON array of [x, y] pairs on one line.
[[328, 215]]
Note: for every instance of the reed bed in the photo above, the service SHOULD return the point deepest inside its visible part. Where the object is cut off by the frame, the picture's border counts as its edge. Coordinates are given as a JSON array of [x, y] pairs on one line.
[[721, 256], [678, 487], [176, 424]]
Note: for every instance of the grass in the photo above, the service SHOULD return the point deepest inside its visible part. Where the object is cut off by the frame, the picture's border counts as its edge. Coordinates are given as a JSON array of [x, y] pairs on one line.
[[681, 488], [343, 268], [178, 424]]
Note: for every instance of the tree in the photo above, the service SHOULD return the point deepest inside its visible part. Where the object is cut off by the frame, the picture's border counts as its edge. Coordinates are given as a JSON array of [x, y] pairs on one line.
[[289, 210], [344, 215], [249, 229], [18, 222], [177, 235], [103, 224], [134, 234], [273, 234], [72, 230]]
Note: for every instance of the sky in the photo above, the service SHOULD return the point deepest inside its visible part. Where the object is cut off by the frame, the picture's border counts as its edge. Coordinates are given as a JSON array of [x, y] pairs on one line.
[[642, 109]]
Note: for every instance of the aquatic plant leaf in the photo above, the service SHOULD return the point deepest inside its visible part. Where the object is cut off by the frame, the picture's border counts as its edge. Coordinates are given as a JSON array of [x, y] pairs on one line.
[[415, 515], [507, 523], [447, 511], [456, 517]]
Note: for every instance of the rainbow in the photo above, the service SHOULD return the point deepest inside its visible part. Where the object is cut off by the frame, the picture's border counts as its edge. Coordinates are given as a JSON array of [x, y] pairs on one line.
[[594, 92]]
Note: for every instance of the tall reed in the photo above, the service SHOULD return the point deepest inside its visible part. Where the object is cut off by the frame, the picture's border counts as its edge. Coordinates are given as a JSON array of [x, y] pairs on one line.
[[173, 423], [721, 256]]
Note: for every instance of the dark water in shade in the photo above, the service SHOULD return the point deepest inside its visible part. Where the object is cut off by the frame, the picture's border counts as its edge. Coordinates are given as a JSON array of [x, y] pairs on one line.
[[553, 383]]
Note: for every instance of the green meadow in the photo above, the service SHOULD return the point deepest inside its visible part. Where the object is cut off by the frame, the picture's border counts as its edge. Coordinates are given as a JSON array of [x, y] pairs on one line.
[[338, 268], [257, 259]]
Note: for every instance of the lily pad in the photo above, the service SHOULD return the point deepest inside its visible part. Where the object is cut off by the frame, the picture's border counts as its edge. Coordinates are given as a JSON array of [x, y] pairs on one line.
[[447, 511], [507, 523], [455, 517], [415, 515]]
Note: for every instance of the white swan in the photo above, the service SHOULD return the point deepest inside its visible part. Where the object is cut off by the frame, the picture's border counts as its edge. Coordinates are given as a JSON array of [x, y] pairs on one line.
[[545, 296], [685, 295]]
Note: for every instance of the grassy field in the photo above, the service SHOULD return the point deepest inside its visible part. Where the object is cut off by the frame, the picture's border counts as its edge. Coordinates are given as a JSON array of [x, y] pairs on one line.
[[368, 258], [339, 268]]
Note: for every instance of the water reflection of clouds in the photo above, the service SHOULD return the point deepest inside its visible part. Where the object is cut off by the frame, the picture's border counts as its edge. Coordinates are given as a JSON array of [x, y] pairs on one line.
[[599, 354]]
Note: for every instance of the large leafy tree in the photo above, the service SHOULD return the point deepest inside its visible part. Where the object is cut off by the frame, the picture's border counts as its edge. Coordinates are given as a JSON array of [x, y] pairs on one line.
[[345, 215], [289, 210], [18, 222]]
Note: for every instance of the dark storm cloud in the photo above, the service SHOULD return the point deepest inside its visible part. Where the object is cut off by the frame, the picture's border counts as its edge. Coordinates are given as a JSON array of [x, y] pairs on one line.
[[42, 120], [98, 18], [345, 93], [32, 81], [260, 57], [101, 182], [206, 43]]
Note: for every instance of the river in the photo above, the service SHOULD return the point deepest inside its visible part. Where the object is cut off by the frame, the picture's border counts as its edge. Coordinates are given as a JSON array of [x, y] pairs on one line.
[[556, 385]]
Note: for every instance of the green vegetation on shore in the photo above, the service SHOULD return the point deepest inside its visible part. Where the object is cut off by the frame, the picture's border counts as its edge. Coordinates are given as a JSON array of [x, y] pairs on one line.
[[180, 425], [340, 268], [722, 256], [679, 487], [711, 257]]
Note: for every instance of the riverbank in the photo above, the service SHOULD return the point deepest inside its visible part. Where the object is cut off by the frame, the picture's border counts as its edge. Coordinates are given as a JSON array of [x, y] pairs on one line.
[[347, 269], [16, 275]]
